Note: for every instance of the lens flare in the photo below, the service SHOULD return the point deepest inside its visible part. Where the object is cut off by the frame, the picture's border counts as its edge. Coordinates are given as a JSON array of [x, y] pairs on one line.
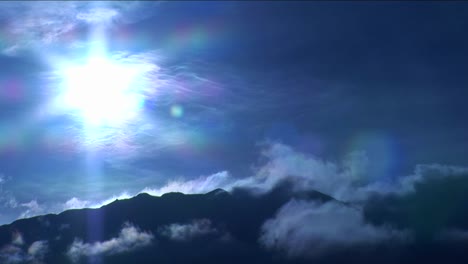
[[177, 111]]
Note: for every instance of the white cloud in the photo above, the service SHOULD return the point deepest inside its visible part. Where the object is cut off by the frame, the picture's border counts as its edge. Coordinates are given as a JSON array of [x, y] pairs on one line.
[[129, 238], [75, 203], [184, 232], [17, 239], [305, 172], [123, 195], [97, 15], [33, 209], [199, 185], [349, 180], [305, 228], [38, 249]]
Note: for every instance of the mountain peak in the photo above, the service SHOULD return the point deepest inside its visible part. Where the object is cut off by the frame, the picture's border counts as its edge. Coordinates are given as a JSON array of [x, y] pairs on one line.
[[143, 195], [217, 192]]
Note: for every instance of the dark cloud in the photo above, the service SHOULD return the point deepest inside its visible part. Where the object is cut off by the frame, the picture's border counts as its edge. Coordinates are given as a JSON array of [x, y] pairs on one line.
[[435, 202]]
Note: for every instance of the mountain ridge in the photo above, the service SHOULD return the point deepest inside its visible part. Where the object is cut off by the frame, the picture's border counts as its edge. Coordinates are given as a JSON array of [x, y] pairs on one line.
[[223, 218]]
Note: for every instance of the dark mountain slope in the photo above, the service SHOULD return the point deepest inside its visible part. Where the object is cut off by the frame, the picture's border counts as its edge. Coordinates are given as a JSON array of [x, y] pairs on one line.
[[236, 217]]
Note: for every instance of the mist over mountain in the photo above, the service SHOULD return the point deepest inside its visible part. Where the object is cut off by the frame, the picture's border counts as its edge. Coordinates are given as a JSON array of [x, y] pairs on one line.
[[280, 226]]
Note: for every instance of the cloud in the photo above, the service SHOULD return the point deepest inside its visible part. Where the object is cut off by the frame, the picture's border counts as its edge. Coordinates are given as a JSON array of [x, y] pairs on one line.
[[428, 172], [6, 198], [11, 254], [75, 203], [33, 209], [307, 172], [306, 228], [349, 180], [202, 184], [17, 239], [130, 238], [184, 232], [30, 25], [16, 253], [97, 15], [429, 202], [38, 249], [455, 235]]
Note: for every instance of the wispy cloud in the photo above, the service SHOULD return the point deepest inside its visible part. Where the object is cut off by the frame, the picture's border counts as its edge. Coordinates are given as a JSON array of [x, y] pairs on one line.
[[33, 208], [202, 184], [34, 24], [16, 252], [6, 197], [76, 203], [130, 238], [97, 15], [456, 235], [348, 180], [188, 231], [38, 249], [17, 239]]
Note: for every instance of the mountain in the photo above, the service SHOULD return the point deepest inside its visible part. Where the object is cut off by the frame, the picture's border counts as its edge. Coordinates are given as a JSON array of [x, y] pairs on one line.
[[216, 227], [228, 227]]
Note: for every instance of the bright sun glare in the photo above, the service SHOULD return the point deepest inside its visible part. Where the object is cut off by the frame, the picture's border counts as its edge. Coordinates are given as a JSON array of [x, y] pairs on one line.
[[101, 91]]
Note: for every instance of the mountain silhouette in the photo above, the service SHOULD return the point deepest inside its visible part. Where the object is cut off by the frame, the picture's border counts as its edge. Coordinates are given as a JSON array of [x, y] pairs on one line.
[[229, 225], [215, 227]]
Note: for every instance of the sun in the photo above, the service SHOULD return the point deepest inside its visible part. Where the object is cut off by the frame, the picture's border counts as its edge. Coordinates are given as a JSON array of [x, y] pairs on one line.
[[101, 91]]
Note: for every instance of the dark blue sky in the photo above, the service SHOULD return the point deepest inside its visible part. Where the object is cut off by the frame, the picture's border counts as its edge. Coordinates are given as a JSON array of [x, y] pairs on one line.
[[325, 78]]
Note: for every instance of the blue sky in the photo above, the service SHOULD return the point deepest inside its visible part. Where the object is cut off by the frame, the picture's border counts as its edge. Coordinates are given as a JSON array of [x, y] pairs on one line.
[[219, 85]]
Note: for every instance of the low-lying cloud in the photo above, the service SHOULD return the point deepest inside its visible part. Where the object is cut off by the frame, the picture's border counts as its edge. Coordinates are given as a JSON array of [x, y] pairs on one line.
[[188, 231], [202, 184], [306, 228], [18, 252], [130, 238], [348, 180]]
